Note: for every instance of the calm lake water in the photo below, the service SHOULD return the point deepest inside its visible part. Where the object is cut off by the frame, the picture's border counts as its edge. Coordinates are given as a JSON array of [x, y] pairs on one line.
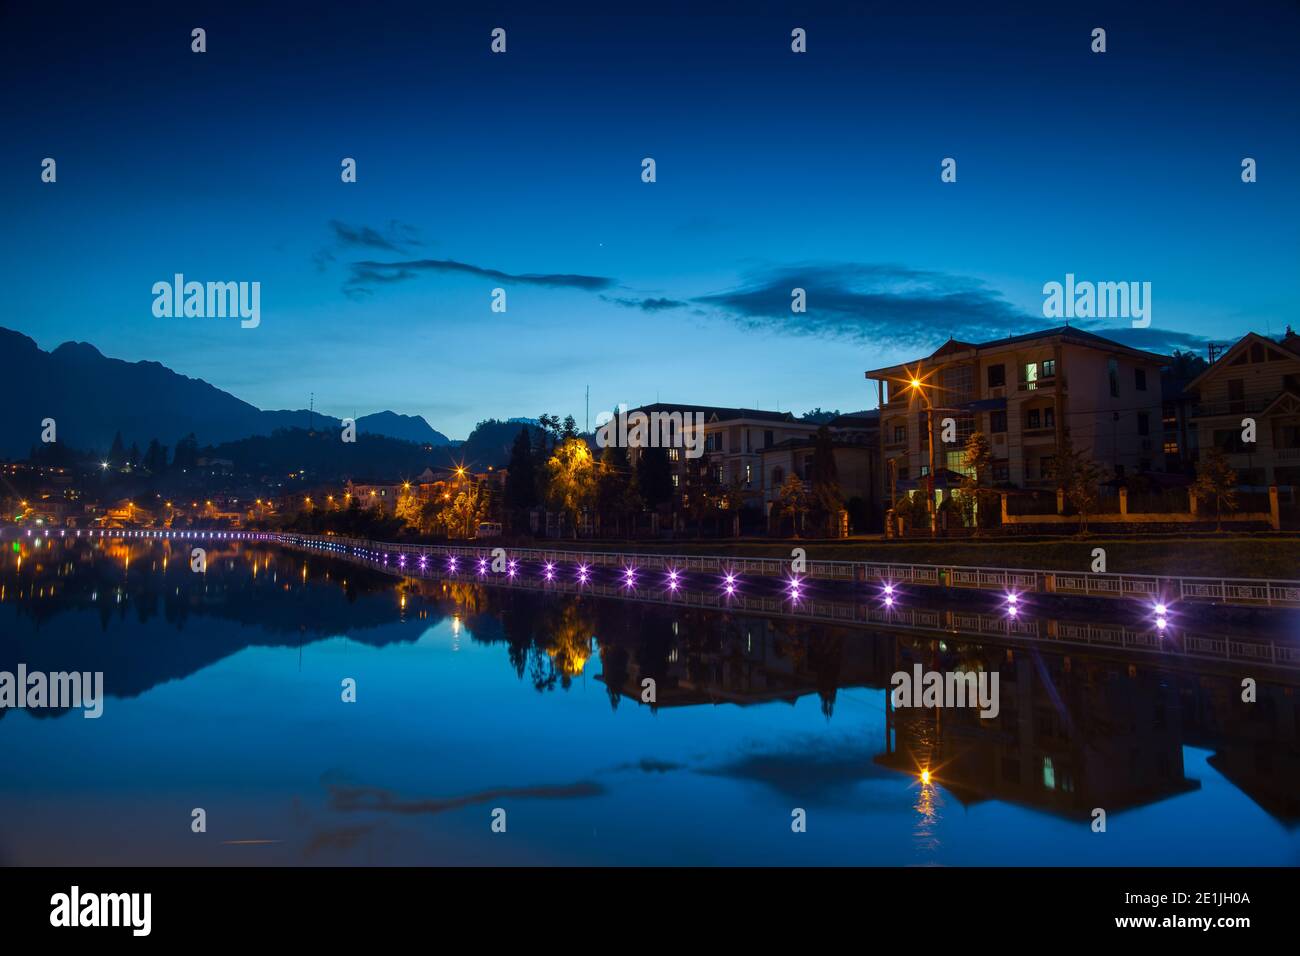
[[224, 692]]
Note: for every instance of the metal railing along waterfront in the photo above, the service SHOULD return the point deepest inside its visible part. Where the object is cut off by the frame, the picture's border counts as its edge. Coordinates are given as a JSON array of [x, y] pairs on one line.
[[1157, 589], [1169, 642]]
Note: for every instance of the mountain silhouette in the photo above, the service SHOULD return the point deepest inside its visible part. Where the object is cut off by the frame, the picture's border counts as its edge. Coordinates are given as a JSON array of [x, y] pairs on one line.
[[92, 397]]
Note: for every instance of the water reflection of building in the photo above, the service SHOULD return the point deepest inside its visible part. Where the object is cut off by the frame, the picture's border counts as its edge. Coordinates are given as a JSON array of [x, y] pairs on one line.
[[1257, 745], [1070, 734], [746, 661]]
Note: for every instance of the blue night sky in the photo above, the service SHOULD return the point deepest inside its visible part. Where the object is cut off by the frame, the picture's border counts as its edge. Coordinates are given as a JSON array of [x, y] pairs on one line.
[[523, 171]]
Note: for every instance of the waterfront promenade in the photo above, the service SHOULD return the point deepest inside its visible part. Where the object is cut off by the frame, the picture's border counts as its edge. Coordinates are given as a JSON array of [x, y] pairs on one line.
[[1156, 591]]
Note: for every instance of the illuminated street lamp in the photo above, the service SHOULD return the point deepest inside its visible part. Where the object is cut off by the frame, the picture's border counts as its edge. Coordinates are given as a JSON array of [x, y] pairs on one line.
[[918, 385]]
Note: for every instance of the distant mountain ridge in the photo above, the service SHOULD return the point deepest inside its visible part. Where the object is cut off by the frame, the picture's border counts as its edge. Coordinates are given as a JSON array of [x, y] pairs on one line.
[[92, 397]]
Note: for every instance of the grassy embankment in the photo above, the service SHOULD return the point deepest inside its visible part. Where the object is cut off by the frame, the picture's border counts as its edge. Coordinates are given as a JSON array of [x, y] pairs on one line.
[[1185, 555]]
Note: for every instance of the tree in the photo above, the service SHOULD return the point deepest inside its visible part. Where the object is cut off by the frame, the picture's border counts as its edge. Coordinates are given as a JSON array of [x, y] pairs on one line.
[[976, 463], [791, 500], [915, 510], [827, 500], [410, 509], [735, 496], [616, 493], [461, 518], [521, 479], [1080, 478], [1185, 366], [117, 453], [186, 455], [702, 491], [550, 431], [155, 458], [1217, 482], [654, 476], [571, 487]]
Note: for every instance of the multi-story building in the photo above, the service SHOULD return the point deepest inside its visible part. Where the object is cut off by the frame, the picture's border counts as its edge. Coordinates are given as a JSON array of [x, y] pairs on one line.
[[1029, 394], [371, 495], [733, 443], [855, 440], [1256, 380]]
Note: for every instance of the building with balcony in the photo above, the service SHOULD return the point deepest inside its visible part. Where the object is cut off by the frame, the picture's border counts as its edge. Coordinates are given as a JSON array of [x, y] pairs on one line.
[[1257, 379], [855, 440], [1028, 394], [374, 495], [733, 445]]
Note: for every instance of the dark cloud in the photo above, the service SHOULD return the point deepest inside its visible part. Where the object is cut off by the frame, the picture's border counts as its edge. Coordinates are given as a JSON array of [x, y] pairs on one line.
[[377, 799], [367, 272], [1153, 339], [398, 237], [340, 839], [647, 305], [810, 769], [650, 765], [872, 302]]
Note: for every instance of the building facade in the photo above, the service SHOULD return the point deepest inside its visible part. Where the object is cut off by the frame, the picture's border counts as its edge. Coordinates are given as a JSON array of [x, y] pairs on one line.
[[855, 440], [733, 443], [1256, 381], [1028, 394]]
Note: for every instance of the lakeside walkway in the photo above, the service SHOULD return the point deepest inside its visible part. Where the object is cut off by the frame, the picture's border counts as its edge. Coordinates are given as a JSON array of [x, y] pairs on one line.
[[1156, 591]]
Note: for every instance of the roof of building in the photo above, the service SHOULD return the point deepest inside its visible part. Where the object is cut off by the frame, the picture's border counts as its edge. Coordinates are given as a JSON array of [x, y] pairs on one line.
[[1068, 333], [1289, 343], [719, 412], [867, 419]]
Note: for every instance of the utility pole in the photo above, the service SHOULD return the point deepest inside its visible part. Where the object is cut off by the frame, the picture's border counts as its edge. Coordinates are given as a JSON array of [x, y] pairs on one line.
[[934, 514]]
